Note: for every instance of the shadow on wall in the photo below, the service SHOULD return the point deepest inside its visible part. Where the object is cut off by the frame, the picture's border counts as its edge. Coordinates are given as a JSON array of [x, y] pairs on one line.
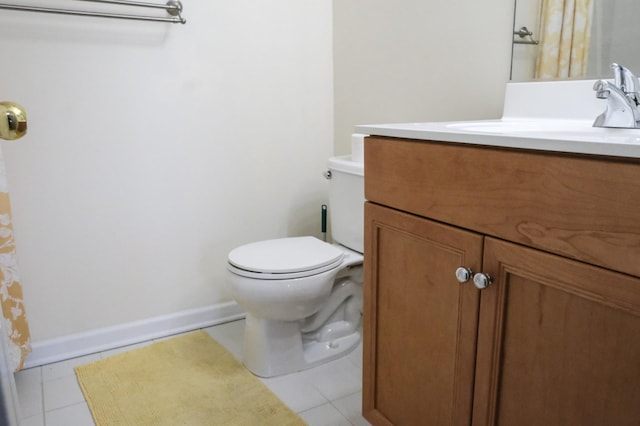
[[38, 27], [305, 212]]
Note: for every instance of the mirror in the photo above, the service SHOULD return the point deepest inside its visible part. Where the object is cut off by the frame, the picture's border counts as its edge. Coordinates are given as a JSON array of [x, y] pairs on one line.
[[607, 31]]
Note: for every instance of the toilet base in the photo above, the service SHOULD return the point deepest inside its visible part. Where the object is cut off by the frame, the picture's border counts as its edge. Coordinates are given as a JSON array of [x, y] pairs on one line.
[[274, 348], [316, 353]]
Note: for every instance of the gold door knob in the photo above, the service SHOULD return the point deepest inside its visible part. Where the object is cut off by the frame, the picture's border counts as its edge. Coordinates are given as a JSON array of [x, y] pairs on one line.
[[13, 121]]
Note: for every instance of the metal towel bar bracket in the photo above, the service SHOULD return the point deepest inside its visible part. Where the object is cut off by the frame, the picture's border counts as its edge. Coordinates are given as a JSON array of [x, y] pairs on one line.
[[173, 8], [522, 33]]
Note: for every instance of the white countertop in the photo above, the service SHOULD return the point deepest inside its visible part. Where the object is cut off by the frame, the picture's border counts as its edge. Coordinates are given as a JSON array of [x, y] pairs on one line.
[[548, 116], [599, 141]]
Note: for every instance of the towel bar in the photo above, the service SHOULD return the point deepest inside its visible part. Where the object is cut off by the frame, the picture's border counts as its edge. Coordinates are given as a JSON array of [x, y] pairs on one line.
[[173, 8]]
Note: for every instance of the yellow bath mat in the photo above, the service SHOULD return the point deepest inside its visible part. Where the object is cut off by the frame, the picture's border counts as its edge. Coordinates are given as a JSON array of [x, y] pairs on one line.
[[188, 380]]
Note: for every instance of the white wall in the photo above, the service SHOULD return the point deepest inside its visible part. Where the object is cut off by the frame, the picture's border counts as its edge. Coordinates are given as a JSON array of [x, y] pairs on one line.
[[419, 60], [153, 149]]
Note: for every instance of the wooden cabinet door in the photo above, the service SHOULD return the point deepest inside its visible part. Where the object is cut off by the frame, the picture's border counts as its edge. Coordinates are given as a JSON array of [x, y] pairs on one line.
[[558, 342], [419, 323]]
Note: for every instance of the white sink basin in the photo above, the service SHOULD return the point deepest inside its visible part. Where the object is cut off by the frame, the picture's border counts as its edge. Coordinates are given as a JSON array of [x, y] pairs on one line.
[[522, 126], [569, 130]]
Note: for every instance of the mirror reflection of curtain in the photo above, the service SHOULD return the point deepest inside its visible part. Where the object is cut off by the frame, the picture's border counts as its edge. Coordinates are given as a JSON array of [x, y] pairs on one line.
[[12, 312], [565, 38]]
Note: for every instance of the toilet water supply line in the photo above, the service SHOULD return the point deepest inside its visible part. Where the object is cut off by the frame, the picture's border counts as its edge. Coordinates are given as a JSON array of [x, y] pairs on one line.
[[324, 222]]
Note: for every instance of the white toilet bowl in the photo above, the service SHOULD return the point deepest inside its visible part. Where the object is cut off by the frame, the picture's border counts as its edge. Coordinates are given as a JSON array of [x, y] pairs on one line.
[[303, 299], [302, 296]]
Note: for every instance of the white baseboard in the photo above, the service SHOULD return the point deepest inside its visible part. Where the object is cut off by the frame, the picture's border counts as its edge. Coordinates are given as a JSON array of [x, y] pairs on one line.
[[107, 338]]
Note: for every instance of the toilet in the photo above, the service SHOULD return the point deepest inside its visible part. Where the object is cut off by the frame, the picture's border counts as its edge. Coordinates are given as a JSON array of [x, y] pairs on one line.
[[303, 296]]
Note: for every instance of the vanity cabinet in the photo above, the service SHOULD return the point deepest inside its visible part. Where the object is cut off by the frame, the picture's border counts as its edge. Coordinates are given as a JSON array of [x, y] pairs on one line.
[[553, 340]]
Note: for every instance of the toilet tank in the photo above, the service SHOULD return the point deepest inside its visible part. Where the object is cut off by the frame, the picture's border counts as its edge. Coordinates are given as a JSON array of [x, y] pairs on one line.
[[346, 202]]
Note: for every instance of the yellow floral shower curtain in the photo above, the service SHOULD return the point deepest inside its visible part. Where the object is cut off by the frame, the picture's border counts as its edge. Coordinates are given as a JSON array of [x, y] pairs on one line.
[[565, 38], [14, 319]]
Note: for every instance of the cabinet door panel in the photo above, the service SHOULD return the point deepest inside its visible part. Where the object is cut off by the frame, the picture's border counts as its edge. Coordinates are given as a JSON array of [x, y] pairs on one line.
[[558, 342], [420, 323]]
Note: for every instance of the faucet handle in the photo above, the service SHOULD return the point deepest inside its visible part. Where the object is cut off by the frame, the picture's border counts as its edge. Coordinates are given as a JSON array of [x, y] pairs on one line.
[[626, 81], [601, 88]]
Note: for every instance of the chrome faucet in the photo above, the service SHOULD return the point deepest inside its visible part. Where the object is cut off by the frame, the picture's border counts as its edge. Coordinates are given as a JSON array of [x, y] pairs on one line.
[[623, 100], [627, 82]]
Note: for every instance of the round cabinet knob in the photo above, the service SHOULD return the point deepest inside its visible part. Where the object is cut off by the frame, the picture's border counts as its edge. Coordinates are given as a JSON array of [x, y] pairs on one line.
[[482, 281], [463, 274]]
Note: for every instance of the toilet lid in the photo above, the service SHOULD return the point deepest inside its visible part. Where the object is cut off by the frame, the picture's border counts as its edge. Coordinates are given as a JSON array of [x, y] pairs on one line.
[[285, 255]]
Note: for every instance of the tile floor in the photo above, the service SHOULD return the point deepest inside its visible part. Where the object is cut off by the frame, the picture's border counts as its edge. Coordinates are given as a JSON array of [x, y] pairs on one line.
[[328, 395]]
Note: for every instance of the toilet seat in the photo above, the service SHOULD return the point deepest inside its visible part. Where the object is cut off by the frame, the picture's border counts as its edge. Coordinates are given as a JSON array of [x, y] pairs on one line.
[[284, 258]]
